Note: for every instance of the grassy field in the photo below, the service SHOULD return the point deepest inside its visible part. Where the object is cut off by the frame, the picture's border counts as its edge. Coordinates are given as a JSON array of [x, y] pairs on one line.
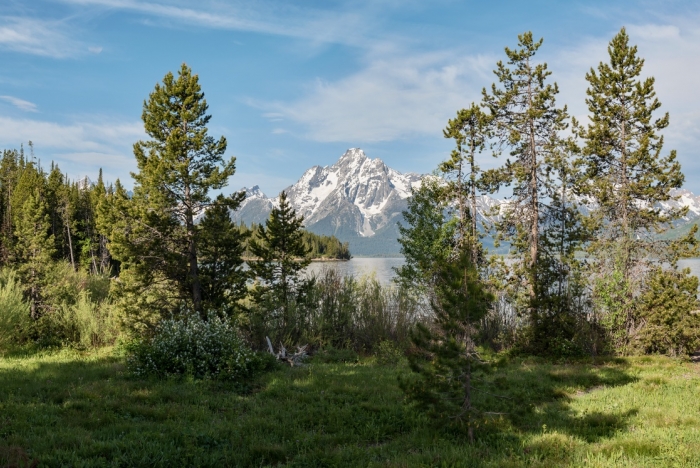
[[80, 409]]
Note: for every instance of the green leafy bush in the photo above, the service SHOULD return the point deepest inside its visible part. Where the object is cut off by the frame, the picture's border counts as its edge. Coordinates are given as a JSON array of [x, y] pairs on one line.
[[191, 346], [88, 323]]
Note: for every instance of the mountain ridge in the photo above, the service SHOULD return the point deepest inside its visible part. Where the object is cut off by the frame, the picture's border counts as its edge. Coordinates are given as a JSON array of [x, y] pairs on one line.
[[360, 201]]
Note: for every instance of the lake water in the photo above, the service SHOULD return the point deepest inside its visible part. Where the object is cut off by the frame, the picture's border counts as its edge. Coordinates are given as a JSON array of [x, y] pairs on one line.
[[693, 264], [383, 267]]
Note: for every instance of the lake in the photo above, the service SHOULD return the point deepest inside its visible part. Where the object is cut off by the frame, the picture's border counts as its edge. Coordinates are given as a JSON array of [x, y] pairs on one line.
[[383, 267], [379, 266]]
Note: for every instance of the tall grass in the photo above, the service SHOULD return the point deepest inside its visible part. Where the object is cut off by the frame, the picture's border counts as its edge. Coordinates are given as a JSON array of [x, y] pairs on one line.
[[89, 323], [341, 312], [77, 313], [14, 310]]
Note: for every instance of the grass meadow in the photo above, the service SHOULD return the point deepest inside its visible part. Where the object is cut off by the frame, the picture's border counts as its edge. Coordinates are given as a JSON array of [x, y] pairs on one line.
[[72, 408]]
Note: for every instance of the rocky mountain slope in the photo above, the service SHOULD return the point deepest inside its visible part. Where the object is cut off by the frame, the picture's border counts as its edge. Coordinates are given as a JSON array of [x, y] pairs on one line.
[[356, 199], [360, 200]]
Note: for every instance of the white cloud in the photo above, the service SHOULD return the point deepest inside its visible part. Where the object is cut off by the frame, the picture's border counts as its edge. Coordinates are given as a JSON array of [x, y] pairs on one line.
[[393, 97], [284, 19], [95, 50], [79, 148], [20, 103], [36, 37]]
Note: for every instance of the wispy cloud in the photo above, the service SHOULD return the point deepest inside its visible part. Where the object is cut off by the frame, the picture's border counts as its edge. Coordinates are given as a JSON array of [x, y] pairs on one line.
[[81, 147], [20, 103], [36, 37], [394, 96], [282, 19]]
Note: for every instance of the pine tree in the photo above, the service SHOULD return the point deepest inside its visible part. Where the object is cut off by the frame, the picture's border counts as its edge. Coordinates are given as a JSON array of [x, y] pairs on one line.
[[669, 307], [439, 264], [280, 256], [626, 177], [177, 168], [221, 258], [563, 299], [471, 130], [527, 122], [35, 248], [99, 199], [10, 170]]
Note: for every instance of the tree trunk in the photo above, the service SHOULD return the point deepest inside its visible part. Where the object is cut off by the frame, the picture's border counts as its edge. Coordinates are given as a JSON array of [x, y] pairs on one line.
[[534, 226], [192, 254], [472, 177], [70, 246]]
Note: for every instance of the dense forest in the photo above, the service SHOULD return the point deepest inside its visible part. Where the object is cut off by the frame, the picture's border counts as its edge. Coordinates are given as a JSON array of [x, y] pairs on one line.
[[187, 292]]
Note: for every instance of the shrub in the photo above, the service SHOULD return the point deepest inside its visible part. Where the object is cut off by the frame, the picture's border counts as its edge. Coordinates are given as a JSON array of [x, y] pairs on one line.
[[87, 323], [389, 354], [14, 310], [191, 346], [669, 309], [336, 311]]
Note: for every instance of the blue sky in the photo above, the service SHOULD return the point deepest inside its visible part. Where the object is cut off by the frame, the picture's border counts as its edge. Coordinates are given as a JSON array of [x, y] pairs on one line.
[[294, 84]]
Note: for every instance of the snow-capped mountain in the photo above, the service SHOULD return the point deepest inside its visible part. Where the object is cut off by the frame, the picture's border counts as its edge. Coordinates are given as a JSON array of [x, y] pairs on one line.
[[356, 198], [360, 200], [686, 198]]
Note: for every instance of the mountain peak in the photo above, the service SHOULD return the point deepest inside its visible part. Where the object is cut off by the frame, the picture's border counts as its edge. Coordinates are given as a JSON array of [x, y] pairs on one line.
[[253, 192], [353, 198], [352, 155]]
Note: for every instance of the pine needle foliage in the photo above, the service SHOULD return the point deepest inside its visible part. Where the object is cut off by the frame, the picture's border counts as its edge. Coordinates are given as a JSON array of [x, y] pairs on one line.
[[439, 263], [34, 250], [280, 255], [627, 176], [158, 241], [670, 309], [527, 122]]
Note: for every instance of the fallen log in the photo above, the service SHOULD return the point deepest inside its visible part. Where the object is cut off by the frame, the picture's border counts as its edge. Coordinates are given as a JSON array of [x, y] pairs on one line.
[[293, 359]]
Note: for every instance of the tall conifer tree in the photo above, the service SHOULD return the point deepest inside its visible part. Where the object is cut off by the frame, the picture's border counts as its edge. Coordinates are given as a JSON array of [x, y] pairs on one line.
[[280, 256], [177, 168], [222, 246], [527, 122], [35, 248], [626, 177], [470, 129]]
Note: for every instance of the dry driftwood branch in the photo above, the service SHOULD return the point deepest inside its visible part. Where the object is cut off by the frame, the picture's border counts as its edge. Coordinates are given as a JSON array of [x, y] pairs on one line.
[[293, 359]]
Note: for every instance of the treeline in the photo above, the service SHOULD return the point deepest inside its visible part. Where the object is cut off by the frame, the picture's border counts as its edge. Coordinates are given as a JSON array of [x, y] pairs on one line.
[[43, 211], [85, 257], [319, 246]]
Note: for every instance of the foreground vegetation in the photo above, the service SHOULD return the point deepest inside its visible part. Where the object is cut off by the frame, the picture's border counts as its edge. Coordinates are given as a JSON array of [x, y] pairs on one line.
[[70, 408]]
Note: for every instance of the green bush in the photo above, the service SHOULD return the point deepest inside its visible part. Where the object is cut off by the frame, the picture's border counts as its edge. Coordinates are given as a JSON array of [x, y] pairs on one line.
[[669, 309], [76, 309], [191, 346], [336, 311], [389, 354], [88, 323], [14, 310]]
